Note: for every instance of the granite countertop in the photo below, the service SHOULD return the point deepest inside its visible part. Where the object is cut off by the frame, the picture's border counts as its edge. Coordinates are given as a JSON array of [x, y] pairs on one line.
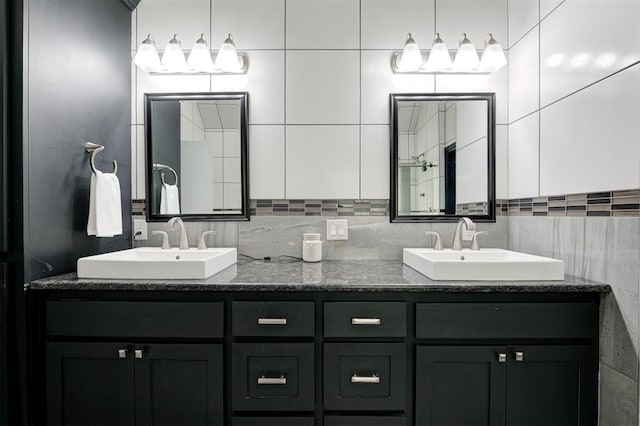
[[336, 275]]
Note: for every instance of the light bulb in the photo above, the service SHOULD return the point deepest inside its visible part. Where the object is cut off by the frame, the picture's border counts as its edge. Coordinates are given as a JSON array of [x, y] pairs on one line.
[[411, 58], [147, 57], [173, 57], [439, 58], [493, 56], [200, 57], [227, 58], [466, 56]]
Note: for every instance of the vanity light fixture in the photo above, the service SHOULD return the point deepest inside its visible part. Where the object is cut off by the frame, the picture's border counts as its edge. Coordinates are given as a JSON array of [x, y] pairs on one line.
[[173, 57], [228, 59], [439, 58]]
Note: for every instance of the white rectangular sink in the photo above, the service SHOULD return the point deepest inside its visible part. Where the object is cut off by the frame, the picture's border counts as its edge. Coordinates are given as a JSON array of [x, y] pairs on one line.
[[482, 265], [155, 263]]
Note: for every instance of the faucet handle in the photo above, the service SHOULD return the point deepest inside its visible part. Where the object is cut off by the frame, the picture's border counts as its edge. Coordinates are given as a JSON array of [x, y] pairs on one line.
[[475, 245], [202, 245], [438, 244], [165, 239]]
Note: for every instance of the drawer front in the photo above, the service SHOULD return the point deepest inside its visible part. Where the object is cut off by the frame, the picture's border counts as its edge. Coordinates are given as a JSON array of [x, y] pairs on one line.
[[365, 319], [365, 421], [365, 376], [278, 319], [273, 377], [135, 319], [272, 421], [506, 320]]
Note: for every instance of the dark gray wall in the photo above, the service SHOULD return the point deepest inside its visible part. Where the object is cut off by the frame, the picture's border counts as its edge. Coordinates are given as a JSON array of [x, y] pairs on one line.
[[79, 88], [165, 116]]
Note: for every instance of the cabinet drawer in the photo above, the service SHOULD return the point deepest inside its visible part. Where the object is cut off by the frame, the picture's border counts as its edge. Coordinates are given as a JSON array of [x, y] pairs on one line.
[[365, 421], [273, 319], [273, 377], [506, 320], [365, 319], [365, 376], [272, 421], [135, 319]]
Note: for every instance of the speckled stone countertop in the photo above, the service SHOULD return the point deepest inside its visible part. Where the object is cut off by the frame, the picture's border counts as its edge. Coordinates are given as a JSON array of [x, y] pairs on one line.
[[344, 275]]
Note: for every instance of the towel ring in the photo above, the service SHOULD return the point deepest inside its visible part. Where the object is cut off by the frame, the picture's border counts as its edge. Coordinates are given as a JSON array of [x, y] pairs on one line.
[[94, 149], [161, 168]]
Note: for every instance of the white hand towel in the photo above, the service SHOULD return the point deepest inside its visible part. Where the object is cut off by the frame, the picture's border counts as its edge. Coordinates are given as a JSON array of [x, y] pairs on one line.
[[105, 208], [169, 199]]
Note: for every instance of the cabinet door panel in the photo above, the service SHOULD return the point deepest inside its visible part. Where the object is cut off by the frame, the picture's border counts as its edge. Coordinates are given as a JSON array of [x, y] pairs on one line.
[[552, 385], [89, 384], [458, 385], [179, 385]]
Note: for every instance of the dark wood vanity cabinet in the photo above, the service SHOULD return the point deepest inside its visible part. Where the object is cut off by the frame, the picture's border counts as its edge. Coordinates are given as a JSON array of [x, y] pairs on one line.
[[317, 358]]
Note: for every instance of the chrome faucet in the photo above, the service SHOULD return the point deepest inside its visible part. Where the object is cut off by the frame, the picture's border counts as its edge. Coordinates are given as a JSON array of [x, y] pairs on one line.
[[457, 236], [184, 241]]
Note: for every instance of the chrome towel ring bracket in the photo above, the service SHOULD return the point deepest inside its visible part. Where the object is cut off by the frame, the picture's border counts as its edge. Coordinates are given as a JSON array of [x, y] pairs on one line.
[[161, 168], [94, 148]]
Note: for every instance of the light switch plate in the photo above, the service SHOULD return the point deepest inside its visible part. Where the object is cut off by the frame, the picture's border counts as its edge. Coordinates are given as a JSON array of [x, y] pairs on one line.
[[337, 229]]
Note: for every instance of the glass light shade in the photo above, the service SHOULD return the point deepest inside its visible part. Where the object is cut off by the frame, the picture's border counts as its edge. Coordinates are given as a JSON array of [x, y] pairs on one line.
[[439, 58], [147, 57], [227, 58], [411, 58], [466, 56], [200, 57], [173, 56], [493, 56]]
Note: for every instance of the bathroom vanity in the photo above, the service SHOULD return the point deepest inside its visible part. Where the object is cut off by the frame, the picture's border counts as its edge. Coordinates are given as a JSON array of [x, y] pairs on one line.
[[335, 343]]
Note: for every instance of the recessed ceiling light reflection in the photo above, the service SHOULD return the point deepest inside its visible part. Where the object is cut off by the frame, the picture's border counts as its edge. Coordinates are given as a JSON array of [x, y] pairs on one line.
[[580, 60], [555, 60], [606, 60]]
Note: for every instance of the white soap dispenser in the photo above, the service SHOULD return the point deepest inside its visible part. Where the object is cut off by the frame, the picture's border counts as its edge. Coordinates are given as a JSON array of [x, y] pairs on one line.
[[311, 248]]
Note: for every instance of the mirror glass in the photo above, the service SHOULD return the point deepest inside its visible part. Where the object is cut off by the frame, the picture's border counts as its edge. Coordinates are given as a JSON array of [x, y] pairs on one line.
[[443, 157], [197, 156]]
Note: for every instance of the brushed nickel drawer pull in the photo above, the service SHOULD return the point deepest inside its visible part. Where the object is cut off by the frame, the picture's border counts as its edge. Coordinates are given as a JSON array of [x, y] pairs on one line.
[[365, 321], [502, 357], [375, 379], [272, 380], [122, 353], [272, 321], [138, 353], [519, 356]]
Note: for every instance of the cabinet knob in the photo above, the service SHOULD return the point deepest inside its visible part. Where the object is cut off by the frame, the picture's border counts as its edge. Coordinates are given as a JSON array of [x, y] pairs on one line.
[[502, 357], [519, 356], [272, 380], [374, 379], [122, 353], [138, 353], [365, 321], [272, 321]]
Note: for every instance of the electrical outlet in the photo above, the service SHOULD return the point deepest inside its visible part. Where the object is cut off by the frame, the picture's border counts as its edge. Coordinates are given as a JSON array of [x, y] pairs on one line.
[[139, 229], [337, 229], [467, 235]]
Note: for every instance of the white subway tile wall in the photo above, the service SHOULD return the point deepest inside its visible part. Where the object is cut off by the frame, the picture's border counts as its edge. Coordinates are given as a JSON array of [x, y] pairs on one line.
[[317, 69]]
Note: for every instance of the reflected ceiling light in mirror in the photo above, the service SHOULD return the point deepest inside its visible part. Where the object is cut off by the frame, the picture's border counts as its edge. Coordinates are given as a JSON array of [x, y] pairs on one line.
[[493, 56], [555, 60], [411, 58], [606, 60], [173, 57], [147, 57], [439, 58], [200, 56], [466, 61], [466, 56], [227, 59], [580, 60]]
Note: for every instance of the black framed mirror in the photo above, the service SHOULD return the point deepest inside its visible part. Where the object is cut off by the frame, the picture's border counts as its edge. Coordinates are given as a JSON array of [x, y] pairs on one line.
[[442, 157], [197, 156]]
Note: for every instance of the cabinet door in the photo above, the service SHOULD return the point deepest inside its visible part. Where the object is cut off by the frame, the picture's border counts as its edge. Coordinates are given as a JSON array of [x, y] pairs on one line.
[[90, 384], [179, 384], [552, 385], [459, 385]]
